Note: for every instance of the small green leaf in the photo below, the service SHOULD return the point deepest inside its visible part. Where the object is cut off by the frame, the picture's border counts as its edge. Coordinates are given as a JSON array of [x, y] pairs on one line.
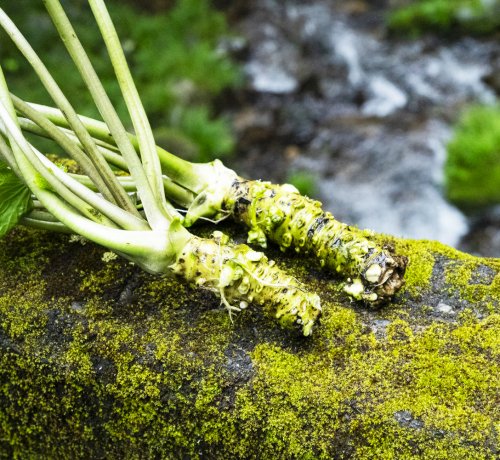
[[15, 199]]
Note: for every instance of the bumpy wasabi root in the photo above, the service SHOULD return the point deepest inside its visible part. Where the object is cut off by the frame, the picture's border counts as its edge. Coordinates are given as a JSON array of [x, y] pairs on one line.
[[281, 214], [240, 275]]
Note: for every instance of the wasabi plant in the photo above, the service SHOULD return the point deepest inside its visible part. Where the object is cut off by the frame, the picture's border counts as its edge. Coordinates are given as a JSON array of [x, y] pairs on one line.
[[275, 212], [207, 190], [144, 226], [280, 213]]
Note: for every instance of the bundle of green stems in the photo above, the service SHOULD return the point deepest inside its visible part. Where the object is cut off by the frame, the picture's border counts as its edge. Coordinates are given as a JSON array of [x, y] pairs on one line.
[[128, 193]]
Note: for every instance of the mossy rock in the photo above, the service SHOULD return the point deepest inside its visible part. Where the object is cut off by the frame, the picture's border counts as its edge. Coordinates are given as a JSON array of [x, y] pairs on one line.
[[100, 360]]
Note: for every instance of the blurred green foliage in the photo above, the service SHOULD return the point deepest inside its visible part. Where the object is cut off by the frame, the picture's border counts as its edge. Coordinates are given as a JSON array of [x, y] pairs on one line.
[[175, 57], [472, 170], [476, 17], [304, 181]]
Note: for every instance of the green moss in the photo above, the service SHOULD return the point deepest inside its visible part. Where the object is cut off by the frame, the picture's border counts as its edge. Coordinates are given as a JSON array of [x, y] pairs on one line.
[[304, 181], [420, 265], [145, 367], [399, 331], [385, 401], [445, 17], [463, 278], [484, 293], [96, 281], [472, 170]]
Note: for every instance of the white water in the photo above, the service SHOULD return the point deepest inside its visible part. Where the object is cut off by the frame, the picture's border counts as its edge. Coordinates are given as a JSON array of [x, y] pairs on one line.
[[384, 114]]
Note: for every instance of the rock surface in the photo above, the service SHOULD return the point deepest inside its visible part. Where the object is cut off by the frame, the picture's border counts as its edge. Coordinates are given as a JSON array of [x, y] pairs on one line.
[[100, 360]]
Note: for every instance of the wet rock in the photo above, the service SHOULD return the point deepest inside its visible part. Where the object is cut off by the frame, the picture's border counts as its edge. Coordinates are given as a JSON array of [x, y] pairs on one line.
[[407, 200], [355, 6], [483, 275], [492, 76], [78, 306], [444, 308], [405, 418], [483, 237], [379, 327], [273, 65], [253, 126]]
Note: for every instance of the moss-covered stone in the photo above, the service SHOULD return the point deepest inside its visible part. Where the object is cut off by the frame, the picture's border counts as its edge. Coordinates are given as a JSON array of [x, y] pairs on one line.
[[100, 360]]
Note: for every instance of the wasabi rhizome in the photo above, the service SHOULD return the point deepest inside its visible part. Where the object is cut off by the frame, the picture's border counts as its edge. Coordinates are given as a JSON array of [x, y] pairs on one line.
[[136, 214]]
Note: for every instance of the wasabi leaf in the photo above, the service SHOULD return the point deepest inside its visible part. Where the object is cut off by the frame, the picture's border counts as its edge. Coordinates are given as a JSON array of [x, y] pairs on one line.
[[15, 199]]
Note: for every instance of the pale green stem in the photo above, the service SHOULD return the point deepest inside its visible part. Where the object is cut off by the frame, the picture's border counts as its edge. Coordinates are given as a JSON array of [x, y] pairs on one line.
[[47, 176], [154, 251], [42, 219], [67, 144], [38, 214], [145, 176], [109, 154], [118, 215], [127, 182], [7, 155], [121, 217], [45, 225], [36, 203], [108, 151], [180, 195], [133, 101], [57, 118], [176, 192], [191, 176], [113, 190]]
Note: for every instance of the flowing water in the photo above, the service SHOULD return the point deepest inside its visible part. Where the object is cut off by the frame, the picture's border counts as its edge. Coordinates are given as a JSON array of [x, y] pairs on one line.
[[368, 115]]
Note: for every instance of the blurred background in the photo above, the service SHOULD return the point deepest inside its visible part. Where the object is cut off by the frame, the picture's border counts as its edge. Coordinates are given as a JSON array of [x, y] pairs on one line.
[[385, 110]]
